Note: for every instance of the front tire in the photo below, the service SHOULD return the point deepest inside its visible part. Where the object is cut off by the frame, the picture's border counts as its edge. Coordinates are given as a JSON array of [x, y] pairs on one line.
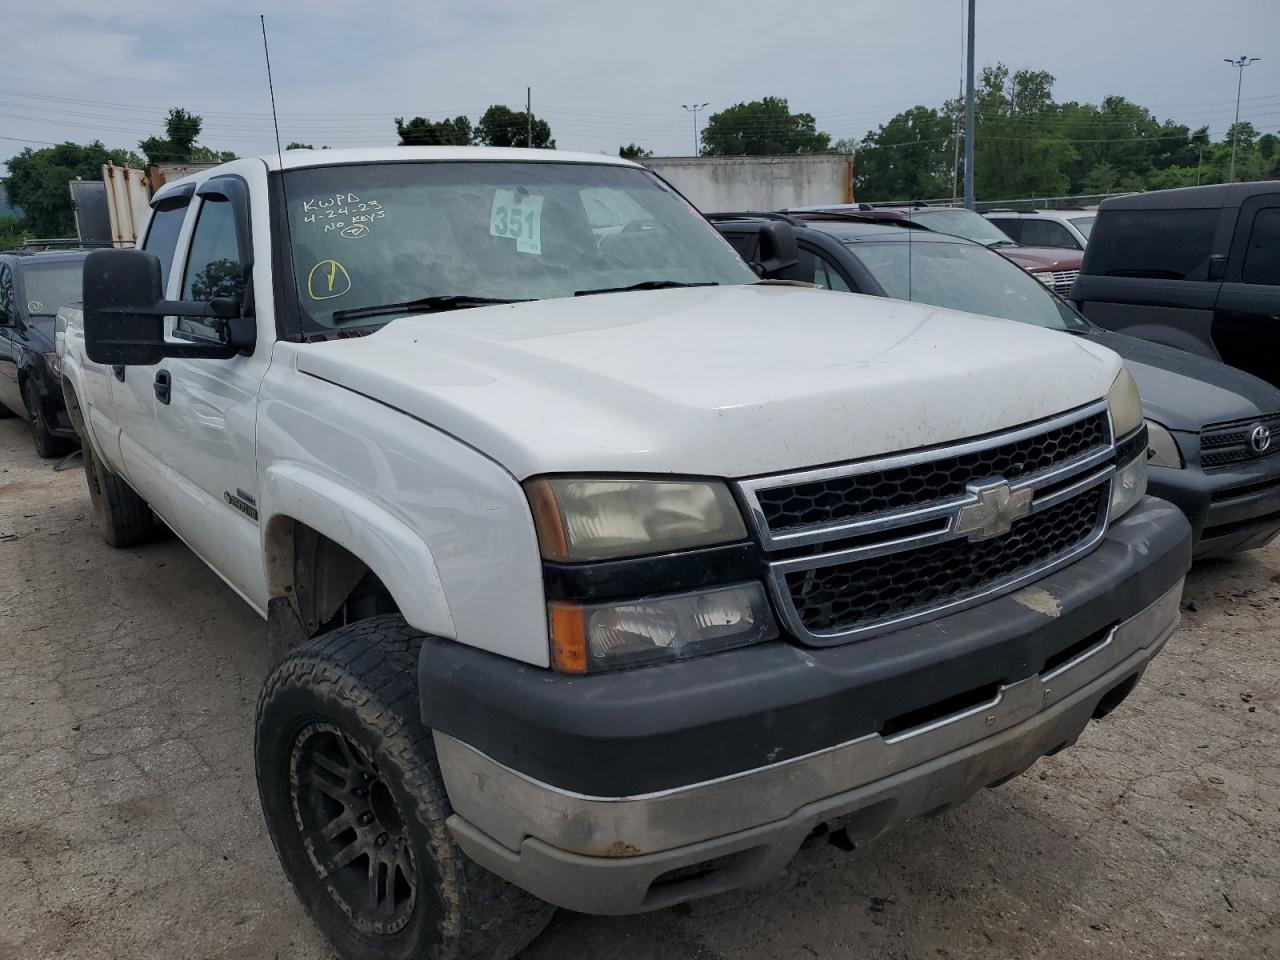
[[354, 801]]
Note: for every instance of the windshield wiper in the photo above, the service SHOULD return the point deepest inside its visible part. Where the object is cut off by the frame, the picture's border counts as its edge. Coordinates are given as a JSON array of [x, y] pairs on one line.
[[646, 285], [457, 301]]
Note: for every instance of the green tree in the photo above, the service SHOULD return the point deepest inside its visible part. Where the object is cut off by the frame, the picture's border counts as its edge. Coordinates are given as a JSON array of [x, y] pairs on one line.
[[37, 182], [1018, 150], [11, 232], [908, 158], [762, 128], [634, 151], [421, 132], [500, 126], [178, 145]]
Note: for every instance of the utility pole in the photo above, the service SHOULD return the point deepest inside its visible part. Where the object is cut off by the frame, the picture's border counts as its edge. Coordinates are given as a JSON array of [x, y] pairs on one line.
[[694, 108], [969, 200], [1235, 131], [528, 115]]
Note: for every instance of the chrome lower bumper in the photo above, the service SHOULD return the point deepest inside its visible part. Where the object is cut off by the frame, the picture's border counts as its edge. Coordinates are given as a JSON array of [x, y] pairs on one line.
[[616, 855]]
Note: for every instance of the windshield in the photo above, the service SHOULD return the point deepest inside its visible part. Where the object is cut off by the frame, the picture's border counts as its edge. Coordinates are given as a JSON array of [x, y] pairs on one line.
[[1083, 224], [963, 223], [378, 234], [966, 277], [47, 286]]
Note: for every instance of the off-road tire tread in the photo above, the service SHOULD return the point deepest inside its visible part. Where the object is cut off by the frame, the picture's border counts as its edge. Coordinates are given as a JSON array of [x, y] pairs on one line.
[[372, 666], [124, 519]]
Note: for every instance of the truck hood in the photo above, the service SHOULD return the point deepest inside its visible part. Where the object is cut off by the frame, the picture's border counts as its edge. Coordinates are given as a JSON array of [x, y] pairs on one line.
[[1044, 258], [721, 381], [1185, 391]]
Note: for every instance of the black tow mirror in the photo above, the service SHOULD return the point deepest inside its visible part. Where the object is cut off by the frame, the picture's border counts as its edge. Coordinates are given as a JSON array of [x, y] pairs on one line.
[[124, 311], [779, 251]]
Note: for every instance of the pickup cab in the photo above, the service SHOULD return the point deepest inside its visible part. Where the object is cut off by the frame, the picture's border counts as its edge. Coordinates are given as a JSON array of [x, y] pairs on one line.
[[602, 573]]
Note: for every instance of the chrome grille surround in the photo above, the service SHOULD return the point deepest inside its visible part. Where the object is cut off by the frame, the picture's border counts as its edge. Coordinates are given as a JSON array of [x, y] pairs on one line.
[[823, 545], [1062, 281]]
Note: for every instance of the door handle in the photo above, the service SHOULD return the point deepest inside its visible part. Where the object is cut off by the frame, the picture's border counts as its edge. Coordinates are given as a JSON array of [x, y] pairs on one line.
[[162, 386], [118, 370]]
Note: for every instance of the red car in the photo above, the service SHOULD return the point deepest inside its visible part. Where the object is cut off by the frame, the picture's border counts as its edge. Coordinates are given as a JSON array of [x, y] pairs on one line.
[[1056, 268]]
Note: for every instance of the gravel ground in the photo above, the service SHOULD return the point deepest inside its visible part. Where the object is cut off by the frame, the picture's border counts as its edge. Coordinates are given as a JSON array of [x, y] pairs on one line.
[[129, 822]]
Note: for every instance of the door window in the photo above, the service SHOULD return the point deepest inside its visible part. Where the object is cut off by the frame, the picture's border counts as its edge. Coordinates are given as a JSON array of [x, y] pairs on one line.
[[815, 268], [6, 294], [1154, 244], [1047, 233], [162, 236], [1011, 226], [213, 266], [1262, 257]]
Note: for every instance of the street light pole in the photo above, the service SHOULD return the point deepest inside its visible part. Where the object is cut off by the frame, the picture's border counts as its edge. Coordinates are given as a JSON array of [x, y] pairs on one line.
[[1235, 127], [969, 200], [694, 108]]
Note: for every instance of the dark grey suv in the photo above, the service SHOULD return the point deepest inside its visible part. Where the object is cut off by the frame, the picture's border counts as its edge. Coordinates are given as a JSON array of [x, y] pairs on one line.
[[1196, 268]]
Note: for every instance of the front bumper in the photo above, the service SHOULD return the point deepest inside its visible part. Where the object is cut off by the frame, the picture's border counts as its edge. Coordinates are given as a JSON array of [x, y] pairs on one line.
[[1230, 509], [615, 809]]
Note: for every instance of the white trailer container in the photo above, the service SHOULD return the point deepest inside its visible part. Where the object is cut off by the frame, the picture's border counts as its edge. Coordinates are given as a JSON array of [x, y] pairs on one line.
[[128, 202], [722, 184]]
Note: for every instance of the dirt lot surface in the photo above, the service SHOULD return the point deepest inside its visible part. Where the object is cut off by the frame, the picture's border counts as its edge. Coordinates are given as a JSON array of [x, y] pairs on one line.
[[129, 823]]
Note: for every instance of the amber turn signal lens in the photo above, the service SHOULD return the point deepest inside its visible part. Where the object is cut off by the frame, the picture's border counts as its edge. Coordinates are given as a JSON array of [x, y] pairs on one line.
[[547, 520], [568, 637]]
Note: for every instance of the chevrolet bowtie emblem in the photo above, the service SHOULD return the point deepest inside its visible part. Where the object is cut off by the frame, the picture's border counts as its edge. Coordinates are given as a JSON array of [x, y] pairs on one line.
[[994, 511]]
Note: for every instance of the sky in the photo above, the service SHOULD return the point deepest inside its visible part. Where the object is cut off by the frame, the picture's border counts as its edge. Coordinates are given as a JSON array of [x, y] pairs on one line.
[[603, 74]]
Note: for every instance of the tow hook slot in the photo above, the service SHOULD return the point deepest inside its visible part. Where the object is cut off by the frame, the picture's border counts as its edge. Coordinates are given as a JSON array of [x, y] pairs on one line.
[[941, 712]]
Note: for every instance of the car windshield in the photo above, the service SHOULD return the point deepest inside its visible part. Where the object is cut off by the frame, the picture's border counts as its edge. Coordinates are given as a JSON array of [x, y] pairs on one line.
[[47, 286], [1083, 224], [963, 223], [386, 234], [964, 276]]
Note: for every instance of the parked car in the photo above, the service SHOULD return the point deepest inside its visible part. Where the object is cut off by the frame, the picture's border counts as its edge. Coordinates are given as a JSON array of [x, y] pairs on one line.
[[1210, 424], [1196, 268], [1068, 229], [32, 288], [563, 539], [1055, 267]]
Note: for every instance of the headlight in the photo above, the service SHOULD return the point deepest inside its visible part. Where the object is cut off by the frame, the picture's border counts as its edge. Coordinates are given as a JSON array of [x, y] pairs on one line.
[[1125, 404], [1162, 449], [600, 519], [1129, 485], [602, 636], [53, 363], [1044, 276]]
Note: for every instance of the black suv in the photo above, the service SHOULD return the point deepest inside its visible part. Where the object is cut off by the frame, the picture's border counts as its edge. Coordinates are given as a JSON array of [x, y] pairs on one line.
[[1196, 268], [1209, 426], [32, 288]]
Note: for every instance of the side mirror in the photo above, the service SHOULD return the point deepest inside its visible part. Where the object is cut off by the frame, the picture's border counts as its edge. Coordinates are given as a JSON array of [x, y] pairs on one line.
[[124, 311], [779, 251]]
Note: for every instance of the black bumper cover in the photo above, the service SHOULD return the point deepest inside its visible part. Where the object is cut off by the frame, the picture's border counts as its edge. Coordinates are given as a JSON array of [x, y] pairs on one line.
[[654, 728], [1230, 509]]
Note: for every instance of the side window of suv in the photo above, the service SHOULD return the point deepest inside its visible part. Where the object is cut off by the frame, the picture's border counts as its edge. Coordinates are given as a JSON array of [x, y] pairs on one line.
[[213, 267], [1047, 233], [162, 236], [1262, 258], [7, 316], [1153, 244], [1011, 227]]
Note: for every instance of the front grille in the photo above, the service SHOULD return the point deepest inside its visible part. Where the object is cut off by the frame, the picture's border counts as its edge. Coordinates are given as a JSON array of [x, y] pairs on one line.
[[1227, 444], [848, 497], [1062, 281], [861, 593]]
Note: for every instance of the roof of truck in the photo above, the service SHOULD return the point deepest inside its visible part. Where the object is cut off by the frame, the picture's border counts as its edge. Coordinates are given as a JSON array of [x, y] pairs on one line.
[[1192, 198], [323, 158]]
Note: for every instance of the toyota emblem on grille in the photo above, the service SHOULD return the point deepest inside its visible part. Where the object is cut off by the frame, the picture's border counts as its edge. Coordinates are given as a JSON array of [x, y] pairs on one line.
[[1260, 438], [997, 507]]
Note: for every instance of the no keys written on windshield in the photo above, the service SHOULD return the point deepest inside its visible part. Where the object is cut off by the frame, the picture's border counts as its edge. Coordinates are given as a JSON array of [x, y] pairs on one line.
[[343, 213]]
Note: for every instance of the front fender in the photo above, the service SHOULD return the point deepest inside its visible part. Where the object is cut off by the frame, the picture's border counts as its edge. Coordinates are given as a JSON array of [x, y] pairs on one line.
[[386, 545]]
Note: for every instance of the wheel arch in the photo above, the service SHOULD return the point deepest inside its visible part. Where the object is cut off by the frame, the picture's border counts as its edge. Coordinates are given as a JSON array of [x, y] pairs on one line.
[[320, 539]]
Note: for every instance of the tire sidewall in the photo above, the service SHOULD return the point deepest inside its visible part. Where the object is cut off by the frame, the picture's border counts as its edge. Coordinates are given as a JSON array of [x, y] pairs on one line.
[[435, 919]]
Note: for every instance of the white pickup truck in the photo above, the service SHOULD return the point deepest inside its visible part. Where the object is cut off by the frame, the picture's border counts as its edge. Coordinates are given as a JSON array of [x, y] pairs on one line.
[[602, 574]]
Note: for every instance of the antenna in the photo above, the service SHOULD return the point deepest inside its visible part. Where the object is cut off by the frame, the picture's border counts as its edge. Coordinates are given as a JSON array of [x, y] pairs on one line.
[[275, 122]]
